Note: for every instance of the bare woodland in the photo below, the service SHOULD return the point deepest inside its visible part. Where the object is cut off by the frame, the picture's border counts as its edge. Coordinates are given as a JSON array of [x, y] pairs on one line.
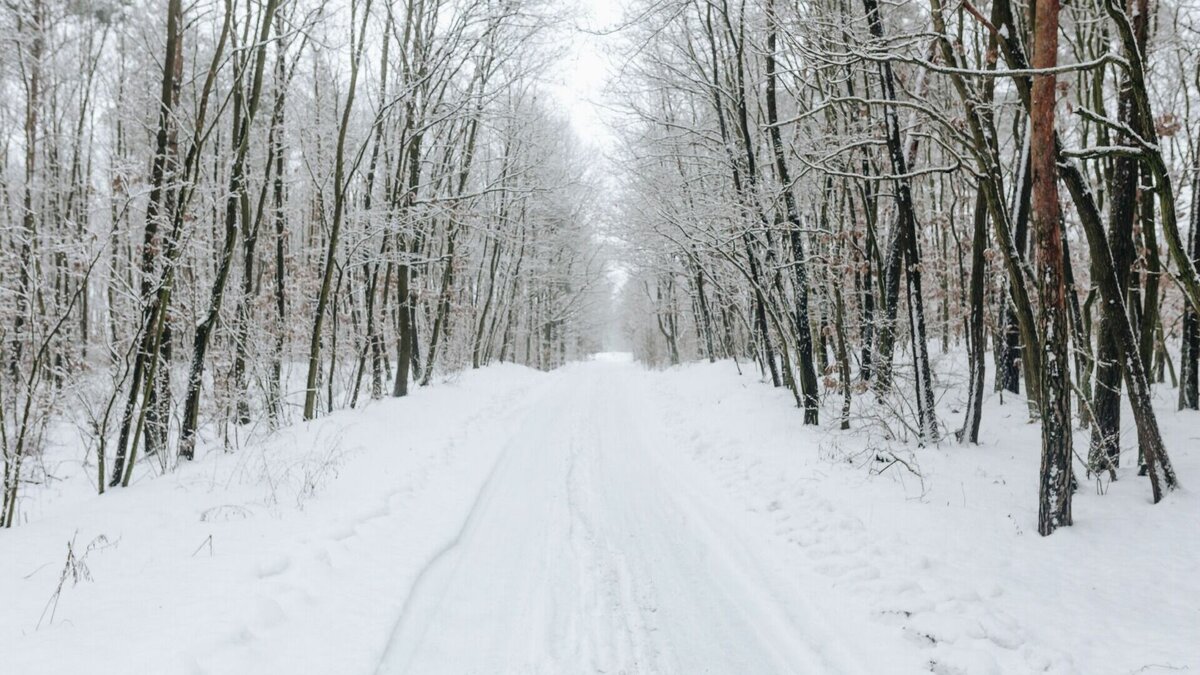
[[226, 216], [242, 213], [835, 190]]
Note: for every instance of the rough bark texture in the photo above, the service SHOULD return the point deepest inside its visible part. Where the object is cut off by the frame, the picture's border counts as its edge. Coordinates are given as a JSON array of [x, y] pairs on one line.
[[1055, 490]]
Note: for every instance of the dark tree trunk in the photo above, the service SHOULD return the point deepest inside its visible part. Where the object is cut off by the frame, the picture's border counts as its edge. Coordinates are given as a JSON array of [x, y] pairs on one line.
[[1158, 463], [155, 211], [1008, 377], [804, 343], [279, 217], [902, 249], [404, 339], [1189, 362], [843, 354], [1106, 398], [339, 208], [975, 335], [706, 328], [233, 204]]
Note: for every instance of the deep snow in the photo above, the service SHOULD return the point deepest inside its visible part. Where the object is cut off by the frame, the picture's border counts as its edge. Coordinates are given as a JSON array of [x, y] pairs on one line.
[[605, 518]]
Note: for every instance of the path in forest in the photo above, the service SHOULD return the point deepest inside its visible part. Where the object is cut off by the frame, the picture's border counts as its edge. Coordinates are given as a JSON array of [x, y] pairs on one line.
[[601, 519], [593, 548]]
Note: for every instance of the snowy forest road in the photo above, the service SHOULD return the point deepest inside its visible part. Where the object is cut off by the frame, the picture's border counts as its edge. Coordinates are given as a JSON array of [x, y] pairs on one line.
[[599, 518], [588, 550]]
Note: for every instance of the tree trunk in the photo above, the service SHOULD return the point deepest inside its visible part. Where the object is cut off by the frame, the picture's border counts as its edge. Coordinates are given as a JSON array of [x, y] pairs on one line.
[[339, 208], [233, 201], [151, 246], [975, 336], [1189, 361], [275, 383], [903, 248], [804, 343], [1158, 463], [1055, 490], [1106, 397]]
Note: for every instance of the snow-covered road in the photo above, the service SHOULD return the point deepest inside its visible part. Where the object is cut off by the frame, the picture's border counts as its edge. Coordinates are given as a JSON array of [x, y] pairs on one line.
[[588, 550], [601, 518]]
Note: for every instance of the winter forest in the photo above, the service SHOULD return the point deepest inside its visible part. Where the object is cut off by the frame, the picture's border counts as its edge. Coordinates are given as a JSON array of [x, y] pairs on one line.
[[581, 336]]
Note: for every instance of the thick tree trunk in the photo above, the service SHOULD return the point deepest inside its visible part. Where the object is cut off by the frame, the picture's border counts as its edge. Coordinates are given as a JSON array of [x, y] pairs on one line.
[[706, 328], [442, 317], [1150, 314], [479, 346], [843, 354], [1055, 490]]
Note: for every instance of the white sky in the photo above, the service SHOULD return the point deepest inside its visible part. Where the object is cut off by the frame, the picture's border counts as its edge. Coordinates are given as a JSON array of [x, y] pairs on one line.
[[579, 87], [584, 71]]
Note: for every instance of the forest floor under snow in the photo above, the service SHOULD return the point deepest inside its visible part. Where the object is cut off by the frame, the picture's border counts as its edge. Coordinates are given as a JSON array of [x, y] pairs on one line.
[[607, 519]]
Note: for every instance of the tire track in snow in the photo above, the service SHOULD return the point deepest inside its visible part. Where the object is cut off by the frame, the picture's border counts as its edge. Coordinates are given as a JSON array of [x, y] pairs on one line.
[[587, 550], [449, 554]]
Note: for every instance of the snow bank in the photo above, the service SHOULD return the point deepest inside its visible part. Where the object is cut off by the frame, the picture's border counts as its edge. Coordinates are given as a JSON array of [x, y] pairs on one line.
[[951, 557], [289, 556]]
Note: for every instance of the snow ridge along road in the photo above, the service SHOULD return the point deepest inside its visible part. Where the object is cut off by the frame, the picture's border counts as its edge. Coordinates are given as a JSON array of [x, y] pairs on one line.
[[591, 549]]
